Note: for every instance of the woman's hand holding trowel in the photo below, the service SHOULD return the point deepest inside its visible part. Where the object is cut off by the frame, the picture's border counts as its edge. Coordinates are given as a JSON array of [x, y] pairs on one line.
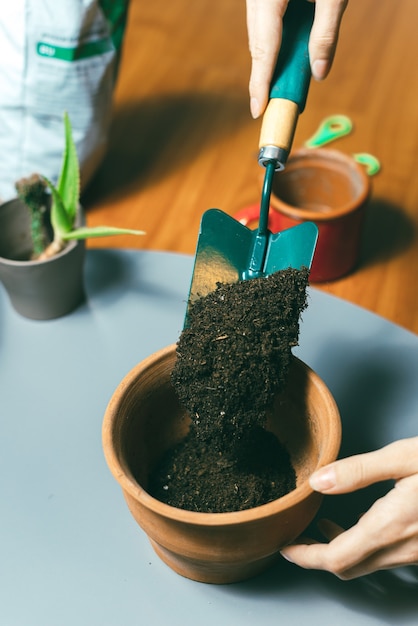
[[264, 20]]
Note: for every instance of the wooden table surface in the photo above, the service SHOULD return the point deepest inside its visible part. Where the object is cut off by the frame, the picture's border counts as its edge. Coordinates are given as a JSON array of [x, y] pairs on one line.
[[182, 138]]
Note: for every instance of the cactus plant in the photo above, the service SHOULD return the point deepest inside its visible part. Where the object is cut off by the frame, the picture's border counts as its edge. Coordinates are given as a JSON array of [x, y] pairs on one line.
[[65, 203]]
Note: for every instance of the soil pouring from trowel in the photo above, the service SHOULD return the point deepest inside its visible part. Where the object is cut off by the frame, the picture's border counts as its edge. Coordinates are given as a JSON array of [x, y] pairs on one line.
[[247, 293]]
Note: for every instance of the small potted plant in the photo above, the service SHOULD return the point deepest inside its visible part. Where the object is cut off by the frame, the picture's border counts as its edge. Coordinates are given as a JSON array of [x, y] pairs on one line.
[[233, 358], [144, 419], [42, 235]]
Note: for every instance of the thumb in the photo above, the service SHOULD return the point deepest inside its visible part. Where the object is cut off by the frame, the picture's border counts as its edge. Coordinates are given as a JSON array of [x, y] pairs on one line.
[[395, 461]]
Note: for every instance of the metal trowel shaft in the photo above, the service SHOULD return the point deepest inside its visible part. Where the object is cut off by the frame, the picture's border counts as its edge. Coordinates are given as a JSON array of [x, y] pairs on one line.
[[258, 254]]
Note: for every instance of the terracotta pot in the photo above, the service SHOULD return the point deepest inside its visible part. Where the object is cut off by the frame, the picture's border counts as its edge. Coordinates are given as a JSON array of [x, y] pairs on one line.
[[329, 188], [38, 290], [144, 418]]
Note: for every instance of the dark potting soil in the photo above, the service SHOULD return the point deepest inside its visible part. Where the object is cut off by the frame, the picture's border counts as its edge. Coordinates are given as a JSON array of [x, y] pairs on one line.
[[231, 361]]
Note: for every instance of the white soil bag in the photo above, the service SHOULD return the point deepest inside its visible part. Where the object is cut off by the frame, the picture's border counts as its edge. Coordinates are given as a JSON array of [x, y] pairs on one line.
[[56, 56]]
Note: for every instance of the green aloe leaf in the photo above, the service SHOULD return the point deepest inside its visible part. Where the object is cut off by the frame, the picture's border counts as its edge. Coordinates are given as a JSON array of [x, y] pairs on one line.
[[65, 199], [61, 222], [99, 231], [69, 180]]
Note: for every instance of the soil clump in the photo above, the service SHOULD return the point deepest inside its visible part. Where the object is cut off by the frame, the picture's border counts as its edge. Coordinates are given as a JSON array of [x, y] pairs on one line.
[[232, 360]]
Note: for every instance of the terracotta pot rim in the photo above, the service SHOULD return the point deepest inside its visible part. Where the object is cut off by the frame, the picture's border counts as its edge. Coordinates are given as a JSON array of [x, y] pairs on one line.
[[323, 155], [126, 480]]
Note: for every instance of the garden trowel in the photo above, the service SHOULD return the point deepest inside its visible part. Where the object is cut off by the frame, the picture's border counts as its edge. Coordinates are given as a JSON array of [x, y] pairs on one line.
[[227, 251]]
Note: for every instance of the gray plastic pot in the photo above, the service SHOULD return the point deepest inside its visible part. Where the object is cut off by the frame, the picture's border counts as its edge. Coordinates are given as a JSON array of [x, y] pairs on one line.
[[38, 290]]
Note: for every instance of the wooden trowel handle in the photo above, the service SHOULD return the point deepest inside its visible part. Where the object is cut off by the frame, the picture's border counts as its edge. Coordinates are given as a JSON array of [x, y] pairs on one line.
[[290, 84]]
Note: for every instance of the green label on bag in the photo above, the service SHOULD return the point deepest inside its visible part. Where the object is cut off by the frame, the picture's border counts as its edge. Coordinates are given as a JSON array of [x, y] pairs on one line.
[[83, 51]]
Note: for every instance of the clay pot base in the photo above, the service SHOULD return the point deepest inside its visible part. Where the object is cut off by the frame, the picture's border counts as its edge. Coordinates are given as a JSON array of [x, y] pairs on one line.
[[221, 573]]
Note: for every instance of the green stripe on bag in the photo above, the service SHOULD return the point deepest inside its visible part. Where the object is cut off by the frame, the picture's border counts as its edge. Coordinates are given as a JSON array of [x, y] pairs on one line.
[[83, 51]]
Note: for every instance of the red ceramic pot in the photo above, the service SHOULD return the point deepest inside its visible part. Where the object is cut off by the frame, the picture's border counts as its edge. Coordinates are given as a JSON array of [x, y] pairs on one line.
[[329, 188]]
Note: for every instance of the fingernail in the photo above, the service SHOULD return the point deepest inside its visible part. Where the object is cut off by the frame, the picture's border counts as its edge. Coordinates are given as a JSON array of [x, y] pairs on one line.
[[323, 480], [284, 555], [320, 69], [254, 108]]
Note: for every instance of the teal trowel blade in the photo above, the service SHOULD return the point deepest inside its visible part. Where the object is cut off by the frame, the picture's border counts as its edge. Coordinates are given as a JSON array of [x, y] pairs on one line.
[[293, 247], [225, 247], [221, 254]]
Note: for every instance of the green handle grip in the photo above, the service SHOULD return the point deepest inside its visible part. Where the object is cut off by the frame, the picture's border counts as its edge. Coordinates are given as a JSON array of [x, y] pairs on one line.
[[292, 75]]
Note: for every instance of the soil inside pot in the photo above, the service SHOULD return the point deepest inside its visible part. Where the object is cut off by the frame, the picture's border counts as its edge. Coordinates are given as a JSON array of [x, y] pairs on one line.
[[231, 361]]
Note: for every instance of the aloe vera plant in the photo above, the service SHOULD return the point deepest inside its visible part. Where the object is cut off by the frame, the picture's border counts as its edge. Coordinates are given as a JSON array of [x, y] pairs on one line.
[[64, 206]]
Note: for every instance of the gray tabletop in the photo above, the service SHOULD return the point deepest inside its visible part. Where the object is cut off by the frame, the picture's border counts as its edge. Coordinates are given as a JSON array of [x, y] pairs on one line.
[[70, 553]]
